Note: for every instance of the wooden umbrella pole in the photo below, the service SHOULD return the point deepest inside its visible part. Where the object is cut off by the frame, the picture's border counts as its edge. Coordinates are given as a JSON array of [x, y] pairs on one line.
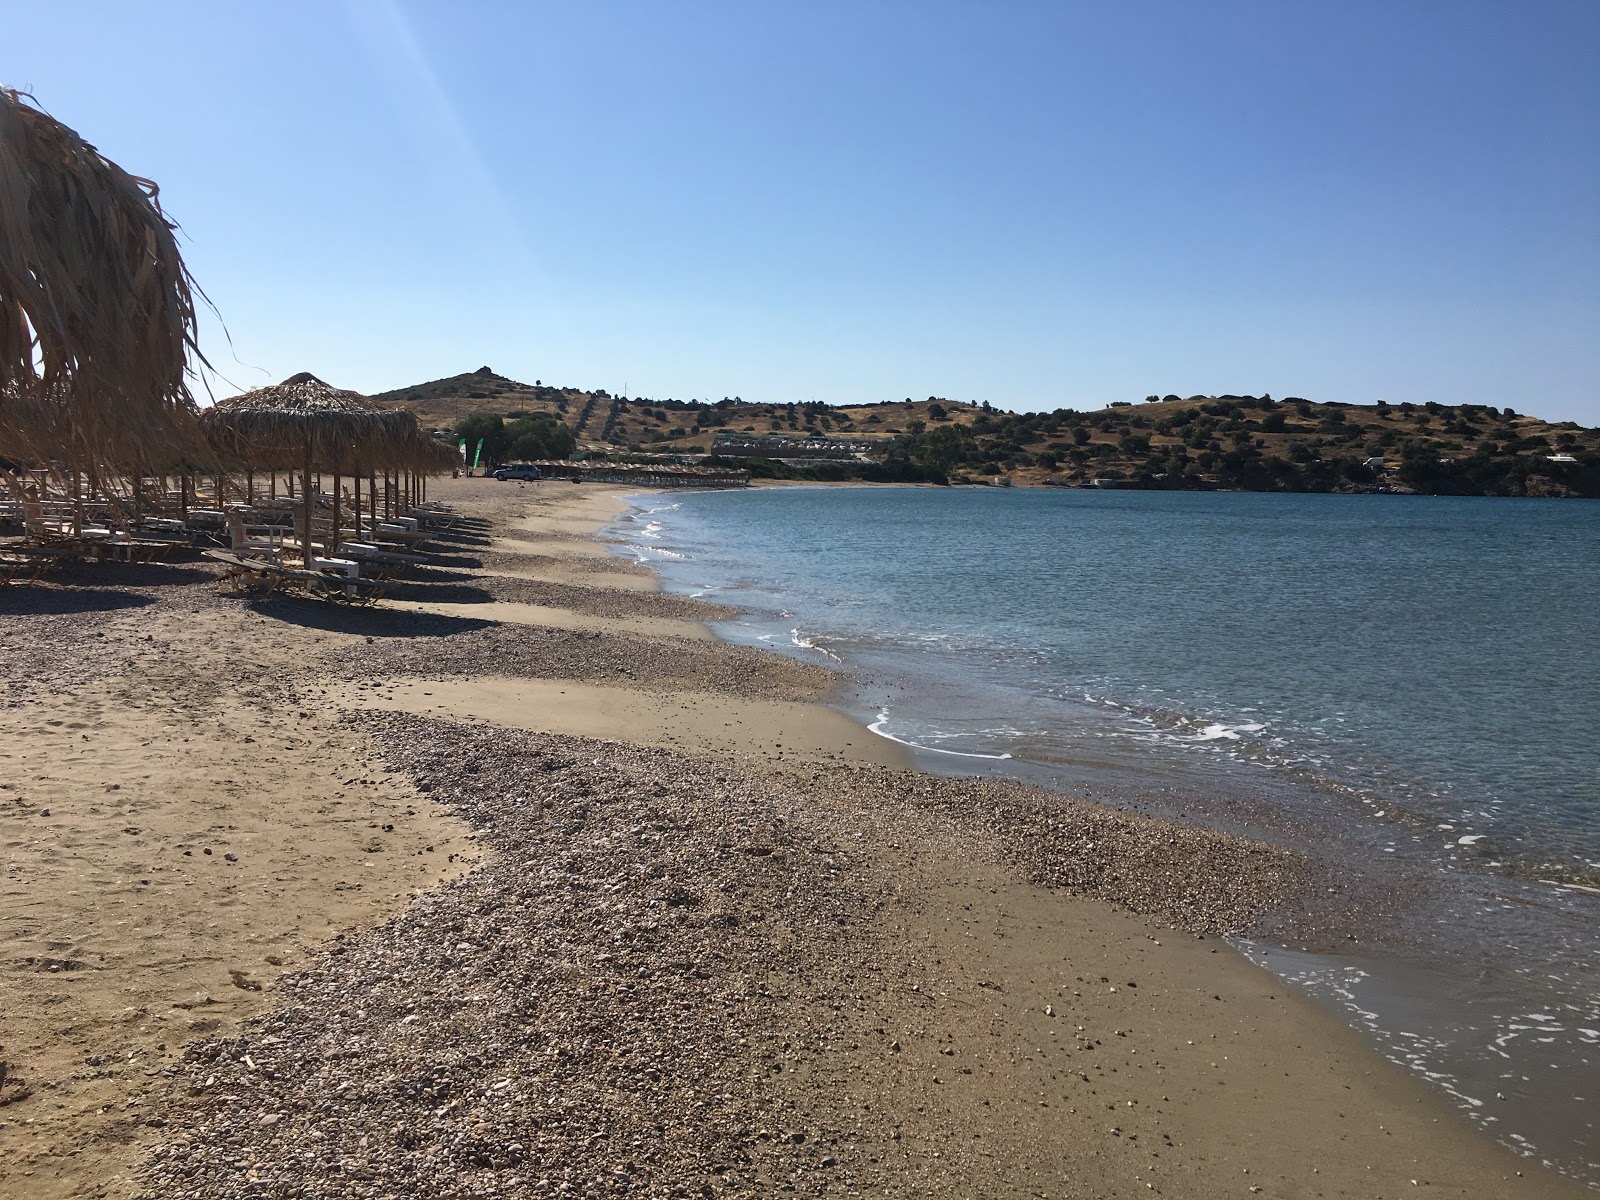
[[305, 542], [333, 538], [372, 501], [250, 486]]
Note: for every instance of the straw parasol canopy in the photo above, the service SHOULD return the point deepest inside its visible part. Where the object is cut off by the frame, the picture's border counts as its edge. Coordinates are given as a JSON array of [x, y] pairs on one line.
[[306, 424], [97, 312], [430, 456], [277, 426]]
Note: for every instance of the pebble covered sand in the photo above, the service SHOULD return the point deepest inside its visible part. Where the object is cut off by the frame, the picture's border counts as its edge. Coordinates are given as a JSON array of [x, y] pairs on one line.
[[532, 652], [609, 1003]]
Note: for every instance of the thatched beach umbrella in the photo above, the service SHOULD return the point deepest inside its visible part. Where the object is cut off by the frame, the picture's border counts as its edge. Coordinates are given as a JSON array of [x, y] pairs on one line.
[[97, 313], [411, 457], [304, 423]]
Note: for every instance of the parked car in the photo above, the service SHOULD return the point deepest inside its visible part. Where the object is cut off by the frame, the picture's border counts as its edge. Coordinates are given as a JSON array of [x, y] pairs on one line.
[[517, 472]]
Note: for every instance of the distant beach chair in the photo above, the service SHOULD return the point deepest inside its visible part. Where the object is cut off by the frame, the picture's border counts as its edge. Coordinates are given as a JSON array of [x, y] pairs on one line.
[[17, 566], [259, 541]]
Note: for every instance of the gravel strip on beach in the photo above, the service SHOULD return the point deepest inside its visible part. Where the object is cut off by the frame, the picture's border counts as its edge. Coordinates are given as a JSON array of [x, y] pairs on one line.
[[616, 1000], [535, 652], [497, 560], [595, 601], [1196, 879], [590, 1012]]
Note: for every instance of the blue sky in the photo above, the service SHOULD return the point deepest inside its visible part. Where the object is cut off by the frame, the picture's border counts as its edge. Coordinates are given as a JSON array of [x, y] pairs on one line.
[[1038, 205]]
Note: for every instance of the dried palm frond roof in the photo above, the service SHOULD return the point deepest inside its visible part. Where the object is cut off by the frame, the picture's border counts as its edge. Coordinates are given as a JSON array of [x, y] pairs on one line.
[[280, 424], [97, 312], [431, 456]]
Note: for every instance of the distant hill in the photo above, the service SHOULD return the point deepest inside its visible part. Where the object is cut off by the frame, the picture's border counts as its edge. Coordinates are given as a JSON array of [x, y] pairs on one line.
[[1233, 441], [440, 403], [602, 421]]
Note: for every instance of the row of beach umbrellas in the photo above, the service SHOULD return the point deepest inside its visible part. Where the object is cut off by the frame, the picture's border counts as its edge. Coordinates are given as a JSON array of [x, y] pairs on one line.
[[98, 342], [303, 424]]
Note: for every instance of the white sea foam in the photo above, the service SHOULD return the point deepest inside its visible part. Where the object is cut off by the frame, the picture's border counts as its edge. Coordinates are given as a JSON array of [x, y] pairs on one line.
[[809, 642], [878, 727], [1231, 733]]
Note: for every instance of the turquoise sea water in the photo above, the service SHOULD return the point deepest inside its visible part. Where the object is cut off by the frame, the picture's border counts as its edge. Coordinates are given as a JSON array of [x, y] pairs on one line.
[[1409, 683]]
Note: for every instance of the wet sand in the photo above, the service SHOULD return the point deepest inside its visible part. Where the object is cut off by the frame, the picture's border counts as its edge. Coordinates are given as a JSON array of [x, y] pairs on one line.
[[572, 926]]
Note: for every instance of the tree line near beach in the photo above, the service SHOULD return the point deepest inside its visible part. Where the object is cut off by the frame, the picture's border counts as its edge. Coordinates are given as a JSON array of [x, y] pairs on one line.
[[1239, 442]]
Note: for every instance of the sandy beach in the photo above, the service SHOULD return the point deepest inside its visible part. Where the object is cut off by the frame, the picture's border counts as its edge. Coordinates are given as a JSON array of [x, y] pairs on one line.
[[522, 884]]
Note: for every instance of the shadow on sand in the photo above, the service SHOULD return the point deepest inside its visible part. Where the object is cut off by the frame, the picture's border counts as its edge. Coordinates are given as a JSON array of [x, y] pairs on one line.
[[440, 573], [369, 622], [443, 593], [458, 561], [45, 601], [131, 575]]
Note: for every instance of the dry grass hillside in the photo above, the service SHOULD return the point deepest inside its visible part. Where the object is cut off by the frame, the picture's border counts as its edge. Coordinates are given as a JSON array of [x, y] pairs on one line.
[[601, 421], [1250, 442]]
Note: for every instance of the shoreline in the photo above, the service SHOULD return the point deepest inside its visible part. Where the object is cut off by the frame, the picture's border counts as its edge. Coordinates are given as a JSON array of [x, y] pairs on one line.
[[1445, 967], [1312, 946], [693, 952]]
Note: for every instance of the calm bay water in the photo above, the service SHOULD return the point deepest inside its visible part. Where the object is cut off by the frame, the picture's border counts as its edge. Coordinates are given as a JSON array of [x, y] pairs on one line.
[[1405, 676], [1438, 654]]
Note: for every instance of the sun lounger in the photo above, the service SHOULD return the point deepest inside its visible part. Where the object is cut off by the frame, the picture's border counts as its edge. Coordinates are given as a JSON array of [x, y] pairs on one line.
[[260, 577], [122, 548], [24, 567], [262, 541], [400, 531], [30, 562], [438, 513]]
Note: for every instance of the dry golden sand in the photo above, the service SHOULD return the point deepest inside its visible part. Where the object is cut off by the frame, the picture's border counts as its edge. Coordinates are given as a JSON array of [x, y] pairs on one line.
[[171, 846], [1193, 1074]]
